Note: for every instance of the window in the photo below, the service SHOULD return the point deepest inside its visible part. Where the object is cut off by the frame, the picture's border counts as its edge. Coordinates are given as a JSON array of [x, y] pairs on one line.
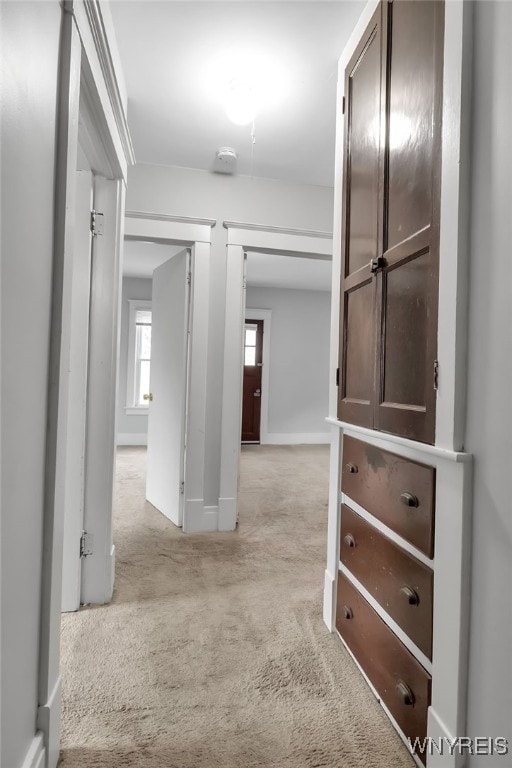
[[250, 344], [139, 356]]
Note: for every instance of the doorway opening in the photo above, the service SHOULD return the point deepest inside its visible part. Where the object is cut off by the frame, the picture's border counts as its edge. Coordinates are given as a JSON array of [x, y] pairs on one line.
[[252, 380], [154, 363]]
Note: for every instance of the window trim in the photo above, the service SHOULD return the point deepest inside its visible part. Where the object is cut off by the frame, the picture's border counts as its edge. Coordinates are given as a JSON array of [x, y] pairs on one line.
[[131, 408]]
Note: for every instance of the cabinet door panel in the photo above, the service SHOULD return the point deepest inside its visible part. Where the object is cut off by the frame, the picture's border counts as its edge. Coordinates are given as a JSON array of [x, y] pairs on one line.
[[410, 118], [364, 87], [361, 225], [408, 285]]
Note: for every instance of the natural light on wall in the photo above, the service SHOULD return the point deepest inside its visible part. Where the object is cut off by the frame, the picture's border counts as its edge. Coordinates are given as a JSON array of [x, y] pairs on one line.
[[245, 82]]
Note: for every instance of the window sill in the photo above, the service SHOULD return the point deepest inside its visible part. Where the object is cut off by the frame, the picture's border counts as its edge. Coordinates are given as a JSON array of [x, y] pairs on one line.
[[140, 410]]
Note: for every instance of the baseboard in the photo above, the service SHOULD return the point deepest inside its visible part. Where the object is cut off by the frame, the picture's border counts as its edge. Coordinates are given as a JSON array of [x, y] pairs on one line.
[[296, 438], [227, 514], [200, 519], [438, 731], [329, 600], [36, 754], [48, 722], [132, 438]]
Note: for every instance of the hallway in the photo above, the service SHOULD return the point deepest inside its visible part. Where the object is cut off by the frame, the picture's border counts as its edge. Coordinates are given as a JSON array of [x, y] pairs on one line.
[[213, 651]]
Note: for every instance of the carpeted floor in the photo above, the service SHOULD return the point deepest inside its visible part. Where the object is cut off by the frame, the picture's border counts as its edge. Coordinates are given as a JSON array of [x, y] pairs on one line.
[[213, 653]]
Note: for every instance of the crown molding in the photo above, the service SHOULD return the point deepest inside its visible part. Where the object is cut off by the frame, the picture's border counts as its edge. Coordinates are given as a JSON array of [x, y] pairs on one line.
[[277, 230]]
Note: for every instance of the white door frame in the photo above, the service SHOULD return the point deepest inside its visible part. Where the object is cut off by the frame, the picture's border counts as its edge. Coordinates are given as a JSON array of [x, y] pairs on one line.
[[266, 316], [194, 234], [241, 239], [89, 70]]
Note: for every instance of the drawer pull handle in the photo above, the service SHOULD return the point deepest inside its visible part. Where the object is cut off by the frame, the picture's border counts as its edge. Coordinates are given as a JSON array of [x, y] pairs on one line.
[[347, 612], [410, 595], [405, 693], [409, 499], [349, 540], [352, 469]]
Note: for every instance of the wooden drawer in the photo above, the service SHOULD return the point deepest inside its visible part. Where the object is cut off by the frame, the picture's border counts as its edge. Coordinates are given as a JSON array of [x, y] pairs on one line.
[[401, 682], [398, 491], [398, 581]]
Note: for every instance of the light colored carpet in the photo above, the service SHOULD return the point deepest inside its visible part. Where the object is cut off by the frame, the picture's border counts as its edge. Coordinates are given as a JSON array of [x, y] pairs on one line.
[[213, 653]]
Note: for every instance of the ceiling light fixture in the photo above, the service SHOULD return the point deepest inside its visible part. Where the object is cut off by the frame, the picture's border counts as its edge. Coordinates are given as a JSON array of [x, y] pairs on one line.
[[244, 82]]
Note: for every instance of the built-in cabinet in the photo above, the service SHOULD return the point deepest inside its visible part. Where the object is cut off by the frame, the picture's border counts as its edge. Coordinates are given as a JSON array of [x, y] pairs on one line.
[[397, 539], [390, 222]]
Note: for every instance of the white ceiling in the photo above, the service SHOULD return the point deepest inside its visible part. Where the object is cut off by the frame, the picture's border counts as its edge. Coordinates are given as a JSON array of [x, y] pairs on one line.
[[169, 51], [274, 271], [141, 258]]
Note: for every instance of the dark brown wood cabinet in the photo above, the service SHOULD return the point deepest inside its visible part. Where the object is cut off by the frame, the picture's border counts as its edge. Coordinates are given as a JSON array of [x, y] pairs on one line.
[[390, 222], [400, 680]]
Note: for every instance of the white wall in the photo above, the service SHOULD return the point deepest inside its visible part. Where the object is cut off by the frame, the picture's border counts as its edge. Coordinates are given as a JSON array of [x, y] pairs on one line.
[[133, 288], [186, 192], [299, 361], [30, 37], [489, 415]]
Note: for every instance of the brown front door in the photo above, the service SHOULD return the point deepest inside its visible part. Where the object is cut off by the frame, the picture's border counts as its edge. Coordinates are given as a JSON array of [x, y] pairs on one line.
[[253, 360]]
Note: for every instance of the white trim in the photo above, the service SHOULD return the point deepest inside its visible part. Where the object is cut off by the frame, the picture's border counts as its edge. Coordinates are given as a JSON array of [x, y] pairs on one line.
[[436, 729], [131, 409], [266, 316], [420, 451], [196, 236], [275, 240], [454, 225], [156, 227], [298, 438], [48, 722], [238, 241], [95, 28], [170, 217], [277, 230], [132, 438], [200, 518], [36, 754]]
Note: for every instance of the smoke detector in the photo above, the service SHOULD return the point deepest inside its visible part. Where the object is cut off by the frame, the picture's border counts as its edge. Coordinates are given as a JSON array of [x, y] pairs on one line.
[[225, 160]]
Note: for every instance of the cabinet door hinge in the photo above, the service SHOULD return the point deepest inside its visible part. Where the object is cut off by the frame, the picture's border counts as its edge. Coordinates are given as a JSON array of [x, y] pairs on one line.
[[182, 488], [436, 375], [86, 544], [189, 278], [337, 377], [343, 106], [96, 223]]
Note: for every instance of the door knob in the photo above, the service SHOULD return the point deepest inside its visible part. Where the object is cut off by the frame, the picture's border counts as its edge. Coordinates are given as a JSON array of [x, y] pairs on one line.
[[148, 396], [257, 393]]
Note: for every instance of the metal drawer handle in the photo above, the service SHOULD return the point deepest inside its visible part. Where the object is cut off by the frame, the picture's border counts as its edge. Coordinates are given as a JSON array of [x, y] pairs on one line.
[[349, 540], [347, 612], [409, 499], [352, 469], [410, 595], [405, 693]]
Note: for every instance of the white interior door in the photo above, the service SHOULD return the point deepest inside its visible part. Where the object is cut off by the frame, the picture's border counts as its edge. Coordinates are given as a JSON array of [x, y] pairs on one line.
[[77, 393], [166, 423]]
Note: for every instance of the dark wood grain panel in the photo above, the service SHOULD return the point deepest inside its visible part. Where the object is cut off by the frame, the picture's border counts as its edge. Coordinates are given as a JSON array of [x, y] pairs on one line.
[[379, 483], [385, 659], [401, 584]]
